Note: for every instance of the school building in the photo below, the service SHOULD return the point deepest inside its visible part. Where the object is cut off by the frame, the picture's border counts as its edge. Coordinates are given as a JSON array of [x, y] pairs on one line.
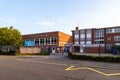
[[95, 40], [53, 41]]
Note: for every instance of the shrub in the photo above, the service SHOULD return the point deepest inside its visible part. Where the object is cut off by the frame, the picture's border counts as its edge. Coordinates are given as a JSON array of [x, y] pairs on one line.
[[96, 58], [44, 52], [7, 53]]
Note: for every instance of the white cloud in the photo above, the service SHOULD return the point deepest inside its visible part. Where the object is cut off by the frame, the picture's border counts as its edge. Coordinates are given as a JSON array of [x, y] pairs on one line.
[[46, 23]]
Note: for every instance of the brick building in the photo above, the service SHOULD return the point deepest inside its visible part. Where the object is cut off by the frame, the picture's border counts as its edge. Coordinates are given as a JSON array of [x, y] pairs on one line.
[[94, 40], [54, 41]]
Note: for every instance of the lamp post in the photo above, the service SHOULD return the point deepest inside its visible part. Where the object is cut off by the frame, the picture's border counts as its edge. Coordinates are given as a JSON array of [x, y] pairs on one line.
[[99, 50]]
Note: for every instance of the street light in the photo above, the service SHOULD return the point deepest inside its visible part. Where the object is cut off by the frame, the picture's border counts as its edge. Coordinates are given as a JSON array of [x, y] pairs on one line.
[[99, 50]]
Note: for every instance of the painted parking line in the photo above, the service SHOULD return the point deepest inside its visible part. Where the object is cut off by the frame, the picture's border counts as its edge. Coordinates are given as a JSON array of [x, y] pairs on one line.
[[94, 70]]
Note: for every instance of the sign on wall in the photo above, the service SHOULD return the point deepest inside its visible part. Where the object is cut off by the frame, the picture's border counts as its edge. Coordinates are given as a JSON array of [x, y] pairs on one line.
[[29, 43]]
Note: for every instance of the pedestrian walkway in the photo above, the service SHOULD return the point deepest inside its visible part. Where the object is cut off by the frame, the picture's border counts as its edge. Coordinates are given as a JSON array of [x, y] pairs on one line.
[[58, 56]]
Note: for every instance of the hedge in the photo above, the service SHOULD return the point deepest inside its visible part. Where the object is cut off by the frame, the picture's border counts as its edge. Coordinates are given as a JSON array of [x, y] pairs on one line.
[[7, 53], [96, 58]]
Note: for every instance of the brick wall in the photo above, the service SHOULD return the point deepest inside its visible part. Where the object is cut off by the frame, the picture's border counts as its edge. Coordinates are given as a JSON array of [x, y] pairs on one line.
[[94, 50]]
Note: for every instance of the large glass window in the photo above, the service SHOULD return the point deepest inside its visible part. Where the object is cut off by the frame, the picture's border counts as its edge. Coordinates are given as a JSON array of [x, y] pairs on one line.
[[99, 36], [36, 41], [48, 41], [53, 40], [76, 32], [41, 41], [82, 31], [82, 39], [88, 31], [88, 39], [76, 40]]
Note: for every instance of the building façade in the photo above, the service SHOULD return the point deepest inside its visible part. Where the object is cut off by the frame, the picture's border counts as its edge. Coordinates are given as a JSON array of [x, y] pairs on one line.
[[95, 40], [53, 41]]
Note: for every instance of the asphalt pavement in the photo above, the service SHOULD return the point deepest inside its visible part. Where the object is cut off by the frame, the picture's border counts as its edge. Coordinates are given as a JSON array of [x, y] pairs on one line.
[[55, 67]]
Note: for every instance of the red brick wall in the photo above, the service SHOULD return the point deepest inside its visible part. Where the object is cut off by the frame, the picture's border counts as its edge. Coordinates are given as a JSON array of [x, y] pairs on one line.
[[112, 37], [94, 50]]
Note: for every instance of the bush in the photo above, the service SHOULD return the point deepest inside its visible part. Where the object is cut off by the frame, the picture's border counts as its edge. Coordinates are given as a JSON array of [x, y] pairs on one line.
[[96, 58], [44, 52], [7, 53], [0, 51]]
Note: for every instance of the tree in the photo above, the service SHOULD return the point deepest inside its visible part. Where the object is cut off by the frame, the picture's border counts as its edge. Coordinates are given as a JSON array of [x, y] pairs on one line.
[[10, 36]]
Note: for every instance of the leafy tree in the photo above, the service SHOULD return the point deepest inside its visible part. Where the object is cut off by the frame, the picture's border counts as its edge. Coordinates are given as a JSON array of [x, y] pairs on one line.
[[10, 36]]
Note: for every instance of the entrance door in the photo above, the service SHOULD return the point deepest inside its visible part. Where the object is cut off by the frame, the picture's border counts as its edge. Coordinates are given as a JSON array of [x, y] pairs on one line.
[[53, 50]]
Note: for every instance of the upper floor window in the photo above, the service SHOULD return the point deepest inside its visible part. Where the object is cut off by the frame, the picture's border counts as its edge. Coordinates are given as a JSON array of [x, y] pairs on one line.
[[109, 31], [88, 31], [88, 39], [117, 29], [76, 32], [76, 36], [117, 38], [82, 32], [99, 34]]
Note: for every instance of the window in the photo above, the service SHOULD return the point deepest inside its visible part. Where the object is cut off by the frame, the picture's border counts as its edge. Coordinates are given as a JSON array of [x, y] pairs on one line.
[[76, 40], [30, 40], [41, 41], [88, 39], [82, 39], [53, 40], [36, 41], [108, 46], [99, 36], [117, 44], [117, 38], [88, 42], [48, 41], [88, 31], [99, 42], [82, 32], [76, 32], [117, 29], [76, 36], [109, 31], [82, 42]]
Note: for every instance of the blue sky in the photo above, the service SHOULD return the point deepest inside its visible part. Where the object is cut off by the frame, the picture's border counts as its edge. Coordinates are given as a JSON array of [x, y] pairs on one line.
[[36, 16]]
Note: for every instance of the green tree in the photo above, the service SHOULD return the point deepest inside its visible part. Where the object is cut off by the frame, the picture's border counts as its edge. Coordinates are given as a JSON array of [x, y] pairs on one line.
[[10, 36]]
